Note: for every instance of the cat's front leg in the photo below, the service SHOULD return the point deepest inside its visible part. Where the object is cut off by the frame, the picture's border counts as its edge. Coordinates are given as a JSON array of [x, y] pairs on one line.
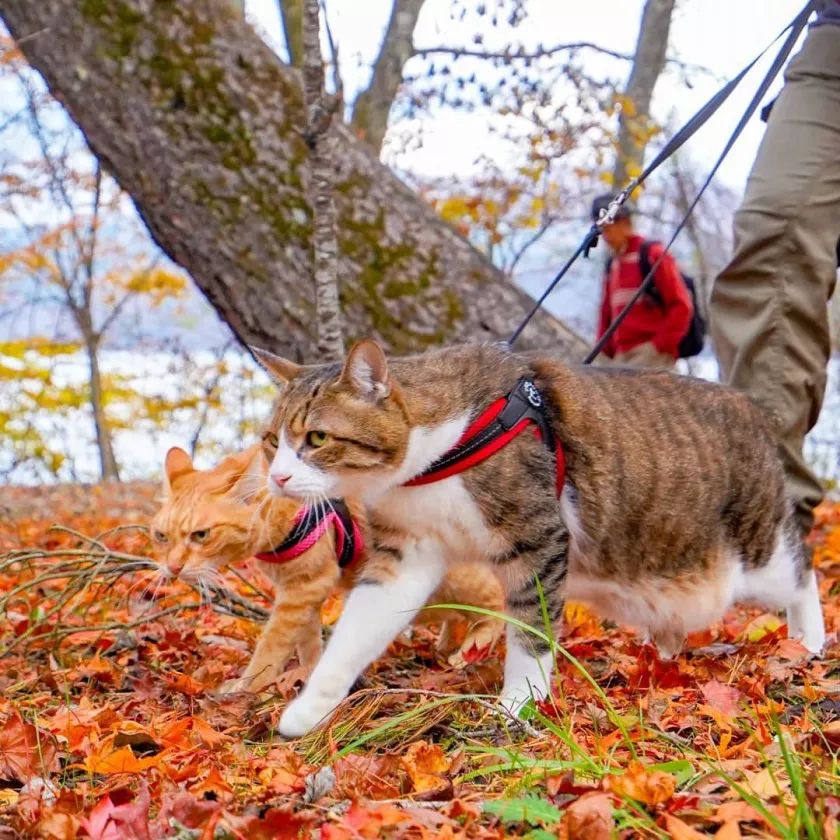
[[311, 643], [530, 661], [377, 609]]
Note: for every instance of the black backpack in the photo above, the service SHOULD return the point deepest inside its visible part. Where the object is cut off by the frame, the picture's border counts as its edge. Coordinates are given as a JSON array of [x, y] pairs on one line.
[[691, 343]]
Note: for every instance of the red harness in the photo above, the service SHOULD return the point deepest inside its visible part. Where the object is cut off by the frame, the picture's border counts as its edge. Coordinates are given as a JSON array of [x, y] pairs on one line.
[[311, 523], [497, 426]]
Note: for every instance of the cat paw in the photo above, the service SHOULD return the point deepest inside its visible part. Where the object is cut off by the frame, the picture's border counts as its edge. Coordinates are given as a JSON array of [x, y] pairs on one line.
[[303, 715], [236, 686], [513, 700], [475, 646]]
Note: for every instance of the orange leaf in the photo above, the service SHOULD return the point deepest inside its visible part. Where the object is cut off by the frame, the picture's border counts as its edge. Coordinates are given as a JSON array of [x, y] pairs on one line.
[[331, 609], [678, 830], [426, 765], [25, 751], [651, 787], [122, 760], [729, 831], [206, 735]]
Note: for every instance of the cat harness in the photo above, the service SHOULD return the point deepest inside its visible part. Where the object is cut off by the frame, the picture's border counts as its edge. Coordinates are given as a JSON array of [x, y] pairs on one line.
[[494, 428], [311, 523]]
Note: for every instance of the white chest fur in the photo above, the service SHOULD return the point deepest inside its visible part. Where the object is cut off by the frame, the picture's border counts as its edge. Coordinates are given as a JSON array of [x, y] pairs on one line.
[[444, 510]]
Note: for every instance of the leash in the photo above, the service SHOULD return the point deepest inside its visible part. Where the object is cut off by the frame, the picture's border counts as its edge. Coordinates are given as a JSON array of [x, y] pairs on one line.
[[508, 416], [311, 523], [794, 28]]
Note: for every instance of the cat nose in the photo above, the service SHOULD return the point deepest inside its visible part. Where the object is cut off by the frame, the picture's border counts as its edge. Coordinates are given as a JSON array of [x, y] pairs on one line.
[[175, 569], [280, 480]]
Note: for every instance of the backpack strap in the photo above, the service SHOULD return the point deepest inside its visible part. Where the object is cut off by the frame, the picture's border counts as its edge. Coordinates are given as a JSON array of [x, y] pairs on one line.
[[644, 268]]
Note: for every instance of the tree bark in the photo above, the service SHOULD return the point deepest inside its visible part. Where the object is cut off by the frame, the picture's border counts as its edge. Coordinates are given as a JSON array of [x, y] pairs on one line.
[[648, 62], [320, 110], [203, 127], [373, 105]]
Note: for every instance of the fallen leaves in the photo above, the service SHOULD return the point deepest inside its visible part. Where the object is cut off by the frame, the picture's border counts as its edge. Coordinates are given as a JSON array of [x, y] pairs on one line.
[[650, 787], [25, 751], [121, 734], [426, 766]]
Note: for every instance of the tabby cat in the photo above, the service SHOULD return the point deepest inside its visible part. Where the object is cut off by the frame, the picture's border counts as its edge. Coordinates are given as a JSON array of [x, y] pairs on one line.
[[672, 507], [211, 518]]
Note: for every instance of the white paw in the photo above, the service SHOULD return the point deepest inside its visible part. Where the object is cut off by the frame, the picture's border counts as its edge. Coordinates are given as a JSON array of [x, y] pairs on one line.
[[304, 714], [514, 698], [814, 642]]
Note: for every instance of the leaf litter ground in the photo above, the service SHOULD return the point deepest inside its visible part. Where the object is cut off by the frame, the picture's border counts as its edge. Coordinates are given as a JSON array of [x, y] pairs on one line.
[[110, 727]]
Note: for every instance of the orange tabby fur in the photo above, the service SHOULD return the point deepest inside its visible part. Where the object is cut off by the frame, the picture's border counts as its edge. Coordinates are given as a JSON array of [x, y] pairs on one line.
[[212, 518]]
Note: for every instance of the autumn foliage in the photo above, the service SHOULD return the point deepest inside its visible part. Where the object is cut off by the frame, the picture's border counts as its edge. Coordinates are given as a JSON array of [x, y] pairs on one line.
[[110, 727]]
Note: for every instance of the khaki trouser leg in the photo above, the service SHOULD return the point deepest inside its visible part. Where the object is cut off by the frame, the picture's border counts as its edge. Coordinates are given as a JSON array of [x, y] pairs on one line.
[[769, 318]]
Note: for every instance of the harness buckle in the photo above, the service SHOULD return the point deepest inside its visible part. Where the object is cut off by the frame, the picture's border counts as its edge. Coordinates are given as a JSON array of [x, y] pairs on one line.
[[526, 402]]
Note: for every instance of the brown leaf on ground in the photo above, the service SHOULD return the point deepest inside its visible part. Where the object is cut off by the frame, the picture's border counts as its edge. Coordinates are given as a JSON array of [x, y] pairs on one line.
[[426, 765], [590, 817], [651, 787]]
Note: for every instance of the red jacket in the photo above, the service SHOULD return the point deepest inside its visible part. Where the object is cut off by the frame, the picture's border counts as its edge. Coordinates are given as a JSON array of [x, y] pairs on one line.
[[664, 325]]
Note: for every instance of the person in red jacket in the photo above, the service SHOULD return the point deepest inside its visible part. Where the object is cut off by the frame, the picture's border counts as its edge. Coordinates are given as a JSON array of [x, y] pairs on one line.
[[651, 333]]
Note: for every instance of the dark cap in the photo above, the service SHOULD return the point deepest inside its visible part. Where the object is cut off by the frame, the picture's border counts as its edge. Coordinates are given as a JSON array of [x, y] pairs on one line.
[[602, 202]]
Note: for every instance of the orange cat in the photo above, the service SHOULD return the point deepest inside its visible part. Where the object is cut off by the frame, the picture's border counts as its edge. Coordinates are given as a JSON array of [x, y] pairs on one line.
[[211, 518]]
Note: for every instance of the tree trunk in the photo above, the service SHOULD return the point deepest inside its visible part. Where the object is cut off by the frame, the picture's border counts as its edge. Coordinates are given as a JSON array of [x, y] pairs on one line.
[[648, 62], [203, 126], [107, 460], [372, 107], [291, 15], [330, 342]]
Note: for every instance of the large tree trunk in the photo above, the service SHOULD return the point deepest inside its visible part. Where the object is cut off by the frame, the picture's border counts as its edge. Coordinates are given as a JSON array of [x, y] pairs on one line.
[[202, 125], [648, 62]]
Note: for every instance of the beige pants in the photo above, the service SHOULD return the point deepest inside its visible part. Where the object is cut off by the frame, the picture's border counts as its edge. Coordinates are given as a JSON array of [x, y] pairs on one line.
[[645, 356], [769, 317]]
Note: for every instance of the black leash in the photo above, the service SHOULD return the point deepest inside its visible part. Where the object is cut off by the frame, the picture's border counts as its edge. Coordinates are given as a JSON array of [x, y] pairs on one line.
[[688, 130]]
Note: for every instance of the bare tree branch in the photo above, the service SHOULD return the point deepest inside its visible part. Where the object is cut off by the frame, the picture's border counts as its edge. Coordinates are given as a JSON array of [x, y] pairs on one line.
[[320, 110], [648, 63], [291, 16], [372, 107]]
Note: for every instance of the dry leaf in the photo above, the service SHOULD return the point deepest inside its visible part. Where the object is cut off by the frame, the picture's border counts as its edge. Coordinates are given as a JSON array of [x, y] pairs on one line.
[[678, 830], [724, 698], [590, 817], [651, 787], [426, 765]]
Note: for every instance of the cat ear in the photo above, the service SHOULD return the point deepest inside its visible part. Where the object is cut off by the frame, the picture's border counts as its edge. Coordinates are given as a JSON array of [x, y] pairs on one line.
[[175, 464], [279, 369], [366, 369], [251, 480]]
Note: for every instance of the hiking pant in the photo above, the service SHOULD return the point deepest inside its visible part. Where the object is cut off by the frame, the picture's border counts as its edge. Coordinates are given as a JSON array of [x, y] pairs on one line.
[[769, 317]]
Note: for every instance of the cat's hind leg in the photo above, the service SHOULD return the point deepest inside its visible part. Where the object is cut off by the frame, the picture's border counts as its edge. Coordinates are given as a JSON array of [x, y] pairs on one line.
[[787, 580]]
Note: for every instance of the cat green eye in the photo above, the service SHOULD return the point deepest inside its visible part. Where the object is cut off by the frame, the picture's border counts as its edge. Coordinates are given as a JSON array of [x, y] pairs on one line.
[[200, 536], [271, 439], [316, 438], [160, 537]]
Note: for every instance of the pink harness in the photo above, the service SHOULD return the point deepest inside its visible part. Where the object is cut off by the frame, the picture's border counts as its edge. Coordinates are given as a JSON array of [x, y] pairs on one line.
[[311, 523]]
